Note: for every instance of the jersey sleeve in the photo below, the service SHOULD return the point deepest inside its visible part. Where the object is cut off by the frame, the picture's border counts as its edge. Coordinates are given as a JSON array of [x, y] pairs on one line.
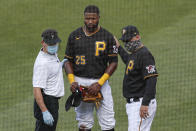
[[69, 52], [150, 90], [123, 54], [40, 75], [148, 66], [112, 50]]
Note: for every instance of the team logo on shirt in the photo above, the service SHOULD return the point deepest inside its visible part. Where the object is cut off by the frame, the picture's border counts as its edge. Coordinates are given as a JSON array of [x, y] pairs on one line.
[[115, 49], [150, 68], [129, 66], [100, 46], [77, 38]]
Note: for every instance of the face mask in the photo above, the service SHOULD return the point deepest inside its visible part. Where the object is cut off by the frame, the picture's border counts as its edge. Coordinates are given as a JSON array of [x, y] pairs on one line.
[[132, 45], [52, 49]]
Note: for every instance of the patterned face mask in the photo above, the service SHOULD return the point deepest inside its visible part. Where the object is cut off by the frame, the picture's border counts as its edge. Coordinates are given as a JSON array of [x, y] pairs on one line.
[[132, 45], [52, 49]]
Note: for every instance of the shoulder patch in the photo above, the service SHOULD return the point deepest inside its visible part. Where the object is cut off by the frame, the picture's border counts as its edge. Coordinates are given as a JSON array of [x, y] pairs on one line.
[[115, 49], [150, 68]]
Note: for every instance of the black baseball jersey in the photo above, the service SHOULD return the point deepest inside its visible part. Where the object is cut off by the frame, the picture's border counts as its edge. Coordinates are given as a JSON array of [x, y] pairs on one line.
[[91, 55], [140, 66]]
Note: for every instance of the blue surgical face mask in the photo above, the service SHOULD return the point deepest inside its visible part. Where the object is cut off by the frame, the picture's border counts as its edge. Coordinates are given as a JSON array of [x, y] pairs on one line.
[[52, 49]]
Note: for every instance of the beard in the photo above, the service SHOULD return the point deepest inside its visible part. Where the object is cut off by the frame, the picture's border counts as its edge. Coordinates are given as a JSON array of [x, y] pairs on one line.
[[91, 27]]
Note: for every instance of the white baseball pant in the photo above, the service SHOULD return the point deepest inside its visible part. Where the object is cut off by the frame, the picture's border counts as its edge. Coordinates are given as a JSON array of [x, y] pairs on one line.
[[105, 113], [135, 123]]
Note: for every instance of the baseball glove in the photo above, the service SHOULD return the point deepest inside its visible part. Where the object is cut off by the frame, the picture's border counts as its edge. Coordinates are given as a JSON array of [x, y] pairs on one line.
[[90, 98]]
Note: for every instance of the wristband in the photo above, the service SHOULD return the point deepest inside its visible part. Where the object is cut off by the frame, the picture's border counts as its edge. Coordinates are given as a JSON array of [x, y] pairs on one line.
[[104, 78], [71, 78]]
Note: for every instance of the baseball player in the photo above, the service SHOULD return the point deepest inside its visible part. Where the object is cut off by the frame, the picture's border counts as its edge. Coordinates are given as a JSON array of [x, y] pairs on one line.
[[48, 82], [92, 54], [139, 80]]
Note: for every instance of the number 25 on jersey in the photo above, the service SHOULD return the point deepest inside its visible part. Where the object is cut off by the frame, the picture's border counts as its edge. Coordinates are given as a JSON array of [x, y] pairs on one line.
[[80, 60]]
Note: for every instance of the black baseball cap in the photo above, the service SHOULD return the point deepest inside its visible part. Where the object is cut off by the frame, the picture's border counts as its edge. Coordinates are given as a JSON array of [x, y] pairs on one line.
[[129, 32], [50, 37]]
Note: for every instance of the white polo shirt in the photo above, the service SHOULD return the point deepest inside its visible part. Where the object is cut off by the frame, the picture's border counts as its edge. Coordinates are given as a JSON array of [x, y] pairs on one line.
[[48, 74]]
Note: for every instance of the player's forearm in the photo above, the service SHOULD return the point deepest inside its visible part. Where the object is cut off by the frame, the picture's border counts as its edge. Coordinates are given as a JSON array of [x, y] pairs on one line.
[[69, 71], [39, 98], [111, 68], [108, 72], [150, 90], [68, 67]]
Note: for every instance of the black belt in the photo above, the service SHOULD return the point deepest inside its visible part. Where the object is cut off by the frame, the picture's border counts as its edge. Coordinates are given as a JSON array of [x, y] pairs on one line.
[[43, 94], [50, 96], [131, 100]]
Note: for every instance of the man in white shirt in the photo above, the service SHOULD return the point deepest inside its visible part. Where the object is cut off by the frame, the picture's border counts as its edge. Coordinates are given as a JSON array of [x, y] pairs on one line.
[[48, 83]]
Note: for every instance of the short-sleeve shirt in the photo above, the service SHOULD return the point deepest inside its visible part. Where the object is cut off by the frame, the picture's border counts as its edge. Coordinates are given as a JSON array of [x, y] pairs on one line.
[[48, 75], [90, 55]]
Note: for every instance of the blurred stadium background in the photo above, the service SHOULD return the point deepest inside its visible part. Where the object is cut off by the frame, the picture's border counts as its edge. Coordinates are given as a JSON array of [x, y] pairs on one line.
[[167, 27]]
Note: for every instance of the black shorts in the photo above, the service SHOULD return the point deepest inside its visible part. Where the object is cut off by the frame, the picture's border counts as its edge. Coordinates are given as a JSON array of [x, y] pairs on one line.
[[52, 105]]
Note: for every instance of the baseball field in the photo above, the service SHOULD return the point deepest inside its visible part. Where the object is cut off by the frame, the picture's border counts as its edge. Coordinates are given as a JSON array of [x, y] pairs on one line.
[[167, 28]]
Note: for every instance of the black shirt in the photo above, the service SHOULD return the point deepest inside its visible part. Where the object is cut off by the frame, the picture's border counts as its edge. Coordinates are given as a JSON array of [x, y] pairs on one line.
[[140, 66], [91, 55]]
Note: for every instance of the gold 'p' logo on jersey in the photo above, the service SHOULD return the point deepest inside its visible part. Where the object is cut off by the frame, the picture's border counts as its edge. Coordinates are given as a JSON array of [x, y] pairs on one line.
[[100, 46], [130, 66]]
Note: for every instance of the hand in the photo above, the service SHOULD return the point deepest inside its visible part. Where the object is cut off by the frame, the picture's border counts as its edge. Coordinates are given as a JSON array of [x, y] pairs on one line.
[[48, 119], [94, 88], [73, 87], [117, 42], [144, 111]]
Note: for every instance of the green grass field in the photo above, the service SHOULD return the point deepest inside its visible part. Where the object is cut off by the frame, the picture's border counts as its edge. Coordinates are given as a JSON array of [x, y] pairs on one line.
[[167, 27]]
